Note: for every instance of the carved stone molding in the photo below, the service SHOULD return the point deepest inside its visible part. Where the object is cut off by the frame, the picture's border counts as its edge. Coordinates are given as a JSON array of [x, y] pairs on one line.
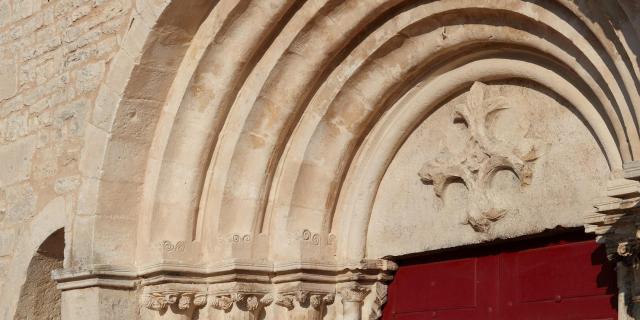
[[483, 156], [305, 299], [222, 302], [169, 246], [318, 300], [628, 249], [285, 301], [304, 290], [616, 223], [353, 296], [245, 301], [181, 300], [314, 238]]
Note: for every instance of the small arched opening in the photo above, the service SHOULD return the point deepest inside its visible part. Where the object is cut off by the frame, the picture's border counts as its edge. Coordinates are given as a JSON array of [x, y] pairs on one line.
[[39, 297]]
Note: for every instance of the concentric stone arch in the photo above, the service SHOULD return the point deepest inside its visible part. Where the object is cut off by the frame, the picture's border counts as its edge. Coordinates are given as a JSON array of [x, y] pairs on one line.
[[246, 135]]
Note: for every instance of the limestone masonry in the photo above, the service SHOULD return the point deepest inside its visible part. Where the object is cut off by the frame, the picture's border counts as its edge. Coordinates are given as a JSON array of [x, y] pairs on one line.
[[268, 159]]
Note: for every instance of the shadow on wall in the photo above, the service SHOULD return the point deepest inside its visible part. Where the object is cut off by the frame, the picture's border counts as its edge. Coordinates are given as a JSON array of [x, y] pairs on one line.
[[607, 272], [39, 297]]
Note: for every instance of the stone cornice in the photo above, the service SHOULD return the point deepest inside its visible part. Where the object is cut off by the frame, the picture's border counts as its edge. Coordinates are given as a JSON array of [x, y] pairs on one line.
[[126, 278], [305, 289], [99, 276]]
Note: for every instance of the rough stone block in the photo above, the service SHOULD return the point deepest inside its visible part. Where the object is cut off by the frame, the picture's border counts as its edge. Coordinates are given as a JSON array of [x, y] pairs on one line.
[[21, 203], [5, 12], [8, 78], [7, 240], [16, 161]]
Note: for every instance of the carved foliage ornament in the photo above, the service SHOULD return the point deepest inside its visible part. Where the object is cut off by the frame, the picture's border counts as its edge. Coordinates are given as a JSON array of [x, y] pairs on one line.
[[161, 300], [354, 293], [304, 298], [168, 246], [483, 156], [381, 298], [250, 302], [628, 251]]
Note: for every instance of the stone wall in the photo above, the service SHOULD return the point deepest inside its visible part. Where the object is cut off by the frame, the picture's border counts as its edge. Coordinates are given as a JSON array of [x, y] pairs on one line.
[[54, 54]]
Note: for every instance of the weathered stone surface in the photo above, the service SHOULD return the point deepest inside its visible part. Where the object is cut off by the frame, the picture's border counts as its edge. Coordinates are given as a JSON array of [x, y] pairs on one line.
[[21, 203], [7, 240], [16, 161], [557, 192], [67, 184], [186, 144], [8, 74]]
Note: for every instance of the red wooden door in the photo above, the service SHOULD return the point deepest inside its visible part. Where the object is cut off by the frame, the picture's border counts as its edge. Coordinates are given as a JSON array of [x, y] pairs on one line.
[[560, 279]]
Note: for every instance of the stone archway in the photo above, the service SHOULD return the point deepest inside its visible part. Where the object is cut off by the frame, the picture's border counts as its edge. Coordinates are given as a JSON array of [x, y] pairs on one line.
[[237, 149], [39, 297], [39, 231]]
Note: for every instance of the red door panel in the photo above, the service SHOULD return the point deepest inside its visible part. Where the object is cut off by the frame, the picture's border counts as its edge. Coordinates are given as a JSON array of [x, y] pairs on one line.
[[447, 290], [445, 285], [566, 280]]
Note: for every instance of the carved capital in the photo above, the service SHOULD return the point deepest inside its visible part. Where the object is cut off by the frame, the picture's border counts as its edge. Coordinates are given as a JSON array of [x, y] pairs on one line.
[[182, 300], [255, 302], [247, 301], [616, 222], [380, 290], [354, 293], [284, 301], [305, 299], [302, 296], [628, 248], [266, 300], [222, 302], [318, 301]]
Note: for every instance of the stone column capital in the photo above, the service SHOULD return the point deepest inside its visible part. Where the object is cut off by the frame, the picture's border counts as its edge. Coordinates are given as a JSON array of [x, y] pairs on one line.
[[616, 219], [616, 223], [161, 300], [354, 293]]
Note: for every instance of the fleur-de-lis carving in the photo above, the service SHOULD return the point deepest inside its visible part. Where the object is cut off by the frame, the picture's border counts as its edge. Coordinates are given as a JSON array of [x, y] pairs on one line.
[[483, 156]]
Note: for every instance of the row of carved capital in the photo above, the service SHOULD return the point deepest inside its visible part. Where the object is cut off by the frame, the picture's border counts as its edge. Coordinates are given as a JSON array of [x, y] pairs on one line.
[[161, 300], [184, 300]]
